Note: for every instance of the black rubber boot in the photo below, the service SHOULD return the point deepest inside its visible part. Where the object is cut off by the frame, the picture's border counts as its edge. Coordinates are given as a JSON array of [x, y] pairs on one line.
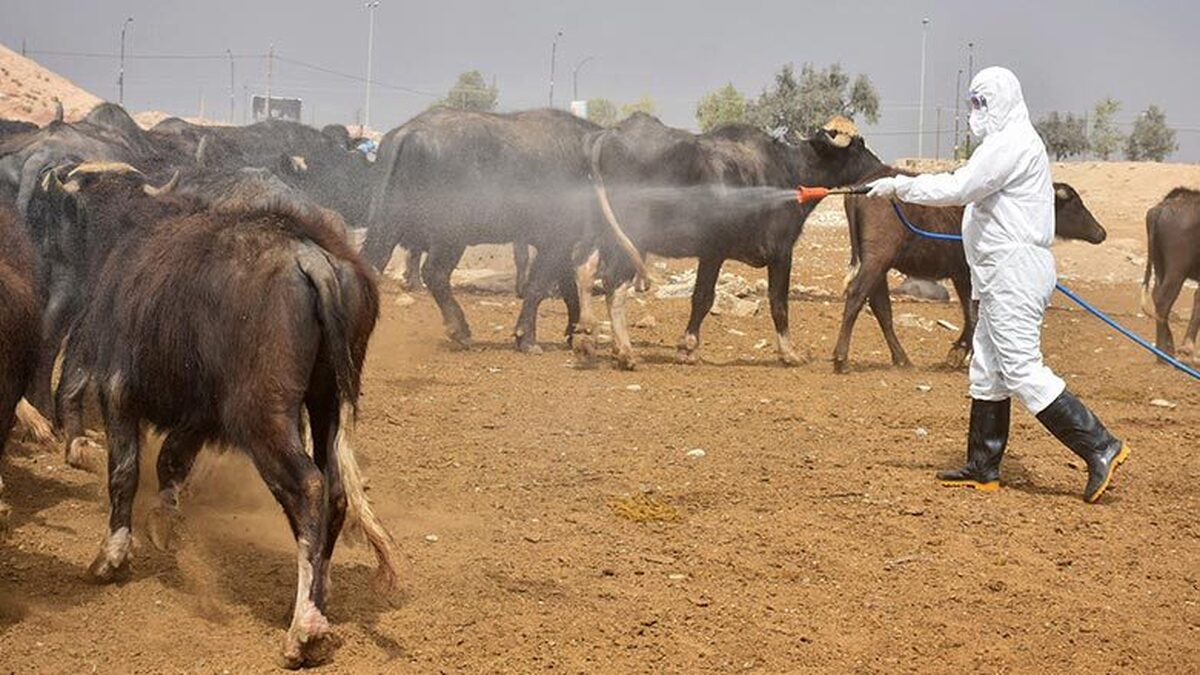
[[1077, 428], [986, 440]]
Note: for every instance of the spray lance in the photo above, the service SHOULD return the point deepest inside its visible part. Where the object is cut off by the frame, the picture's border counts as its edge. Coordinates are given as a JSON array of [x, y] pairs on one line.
[[805, 195]]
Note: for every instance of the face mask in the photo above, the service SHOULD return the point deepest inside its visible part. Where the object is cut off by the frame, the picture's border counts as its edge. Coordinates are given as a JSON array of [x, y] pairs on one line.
[[978, 123]]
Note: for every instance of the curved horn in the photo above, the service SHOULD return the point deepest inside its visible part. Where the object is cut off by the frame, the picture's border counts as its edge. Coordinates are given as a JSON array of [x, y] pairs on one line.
[[58, 110], [202, 151], [103, 167], [165, 189]]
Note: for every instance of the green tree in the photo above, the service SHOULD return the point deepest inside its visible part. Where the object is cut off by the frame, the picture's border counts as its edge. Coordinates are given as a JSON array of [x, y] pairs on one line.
[[644, 104], [1106, 138], [722, 106], [802, 105], [470, 92], [1064, 135], [1151, 139], [602, 111]]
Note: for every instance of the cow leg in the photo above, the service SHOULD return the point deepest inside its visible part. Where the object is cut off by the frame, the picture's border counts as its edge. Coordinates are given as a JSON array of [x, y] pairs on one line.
[[570, 296], [299, 487], [55, 320], [322, 405], [538, 287], [412, 270], [124, 449], [622, 346], [521, 262], [583, 342], [175, 461], [960, 351], [702, 301], [869, 276], [1165, 294], [779, 274], [1188, 348], [81, 452], [436, 273], [881, 306]]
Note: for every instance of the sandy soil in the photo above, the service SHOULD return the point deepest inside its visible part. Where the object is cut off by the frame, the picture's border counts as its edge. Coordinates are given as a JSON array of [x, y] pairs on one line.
[[28, 91], [809, 537]]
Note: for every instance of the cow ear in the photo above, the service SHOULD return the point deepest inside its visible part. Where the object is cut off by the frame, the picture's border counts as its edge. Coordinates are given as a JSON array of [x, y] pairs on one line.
[[1061, 194]]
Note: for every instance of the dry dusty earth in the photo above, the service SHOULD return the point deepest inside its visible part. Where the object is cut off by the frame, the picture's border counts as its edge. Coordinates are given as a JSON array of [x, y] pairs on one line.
[[809, 537]]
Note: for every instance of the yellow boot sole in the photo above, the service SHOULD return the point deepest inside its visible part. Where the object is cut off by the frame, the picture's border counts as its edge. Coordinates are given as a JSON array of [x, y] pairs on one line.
[[989, 486], [1118, 461]]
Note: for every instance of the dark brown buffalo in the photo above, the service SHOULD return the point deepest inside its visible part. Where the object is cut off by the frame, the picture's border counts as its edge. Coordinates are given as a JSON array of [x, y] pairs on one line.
[[19, 336], [880, 242], [222, 329], [449, 179], [1173, 256], [724, 195]]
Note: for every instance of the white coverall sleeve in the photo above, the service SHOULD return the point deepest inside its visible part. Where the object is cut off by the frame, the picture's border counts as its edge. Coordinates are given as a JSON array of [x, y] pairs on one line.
[[988, 170]]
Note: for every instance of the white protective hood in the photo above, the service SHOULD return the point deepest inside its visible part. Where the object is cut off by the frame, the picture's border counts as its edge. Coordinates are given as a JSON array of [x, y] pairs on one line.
[[1005, 102]]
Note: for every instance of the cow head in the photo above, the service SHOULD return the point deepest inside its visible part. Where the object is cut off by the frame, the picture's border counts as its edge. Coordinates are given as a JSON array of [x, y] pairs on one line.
[[839, 156], [1072, 219]]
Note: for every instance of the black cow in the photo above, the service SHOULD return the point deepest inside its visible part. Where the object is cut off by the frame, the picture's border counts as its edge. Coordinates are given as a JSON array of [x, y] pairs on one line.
[[19, 307], [451, 178], [1173, 256], [171, 337], [727, 194], [880, 242]]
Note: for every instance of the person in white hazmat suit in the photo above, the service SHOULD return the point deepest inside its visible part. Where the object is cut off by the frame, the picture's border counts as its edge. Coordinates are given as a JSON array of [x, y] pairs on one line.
[[1008, 227]]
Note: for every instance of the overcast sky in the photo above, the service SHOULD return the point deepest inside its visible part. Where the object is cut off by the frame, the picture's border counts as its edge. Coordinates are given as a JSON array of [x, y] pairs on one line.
[[1068, 54]]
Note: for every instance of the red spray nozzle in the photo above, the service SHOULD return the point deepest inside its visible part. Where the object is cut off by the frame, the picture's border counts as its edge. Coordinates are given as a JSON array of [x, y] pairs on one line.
[[805, 195]]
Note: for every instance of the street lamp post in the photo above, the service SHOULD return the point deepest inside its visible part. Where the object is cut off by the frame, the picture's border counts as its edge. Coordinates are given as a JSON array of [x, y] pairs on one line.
[[921, 107], [370, 47], [121, 73], [229, 52], [575, 78], [553, 55], [970, 78], [957, 103]]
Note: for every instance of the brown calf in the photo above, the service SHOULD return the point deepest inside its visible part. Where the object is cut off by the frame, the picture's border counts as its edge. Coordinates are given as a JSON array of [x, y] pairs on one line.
[[1173, 240], [880, 242], [19, 324]]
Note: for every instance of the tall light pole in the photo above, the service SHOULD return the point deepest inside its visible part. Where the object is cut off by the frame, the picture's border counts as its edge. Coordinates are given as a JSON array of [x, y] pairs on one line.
[[121, 73], [575, 78], [970, 79], [957, 103], [921, 114], [553, 55], [229, 52], [370, 46]]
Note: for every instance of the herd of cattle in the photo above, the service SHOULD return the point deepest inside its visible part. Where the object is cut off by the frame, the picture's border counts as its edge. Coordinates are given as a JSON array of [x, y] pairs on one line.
[[201, 280]]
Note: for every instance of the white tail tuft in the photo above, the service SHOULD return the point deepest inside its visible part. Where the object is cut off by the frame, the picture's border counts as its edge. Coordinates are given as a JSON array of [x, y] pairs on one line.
[[35, 424], [851, 272], [359, 513]]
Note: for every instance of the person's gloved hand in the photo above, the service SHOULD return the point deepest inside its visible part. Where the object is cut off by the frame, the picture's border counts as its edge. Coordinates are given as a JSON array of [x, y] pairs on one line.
[[884, 188]]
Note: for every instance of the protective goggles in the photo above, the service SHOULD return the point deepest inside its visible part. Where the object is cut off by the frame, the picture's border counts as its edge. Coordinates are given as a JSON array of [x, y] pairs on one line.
[[978, 101]]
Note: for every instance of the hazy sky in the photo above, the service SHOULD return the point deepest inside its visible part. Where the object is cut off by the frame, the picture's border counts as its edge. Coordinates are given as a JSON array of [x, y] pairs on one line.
[[1067, 54]]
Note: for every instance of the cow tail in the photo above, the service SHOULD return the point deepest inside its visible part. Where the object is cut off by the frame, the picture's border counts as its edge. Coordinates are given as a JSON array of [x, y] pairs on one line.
[[610, 217], [852, 225], [380, 240], [333, 299], [1147, 299]]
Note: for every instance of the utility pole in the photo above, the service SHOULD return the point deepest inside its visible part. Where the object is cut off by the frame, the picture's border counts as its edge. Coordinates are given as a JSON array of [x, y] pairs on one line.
[[270, 68], [121, 73], [937, 140], [957, 103], [229, 52], [970, 78], [553, 55], [575, 78], [370, 48], [921, 114]]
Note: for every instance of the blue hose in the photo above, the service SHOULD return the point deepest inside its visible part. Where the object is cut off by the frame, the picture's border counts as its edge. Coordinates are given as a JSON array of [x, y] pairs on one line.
[[1145, 344]]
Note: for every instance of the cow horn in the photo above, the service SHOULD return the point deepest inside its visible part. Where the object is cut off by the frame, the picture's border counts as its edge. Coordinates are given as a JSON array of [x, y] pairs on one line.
[[165, 189], [202, 151], [841, 131], [299, 164], [103, 167]]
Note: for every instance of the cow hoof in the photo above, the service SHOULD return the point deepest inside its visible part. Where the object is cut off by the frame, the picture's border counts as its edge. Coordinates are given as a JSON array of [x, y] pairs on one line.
[[903, 364], [841, 367], [958, 357], [461, 343], [527, 344], [104, 570], [584, 345], [161, 524], [791, 359], [625, 360], [309, 641], [85, 454], [37, 427]]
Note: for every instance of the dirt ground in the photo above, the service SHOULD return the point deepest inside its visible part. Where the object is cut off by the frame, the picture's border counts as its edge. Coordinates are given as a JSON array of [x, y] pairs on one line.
[[810, 536]]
